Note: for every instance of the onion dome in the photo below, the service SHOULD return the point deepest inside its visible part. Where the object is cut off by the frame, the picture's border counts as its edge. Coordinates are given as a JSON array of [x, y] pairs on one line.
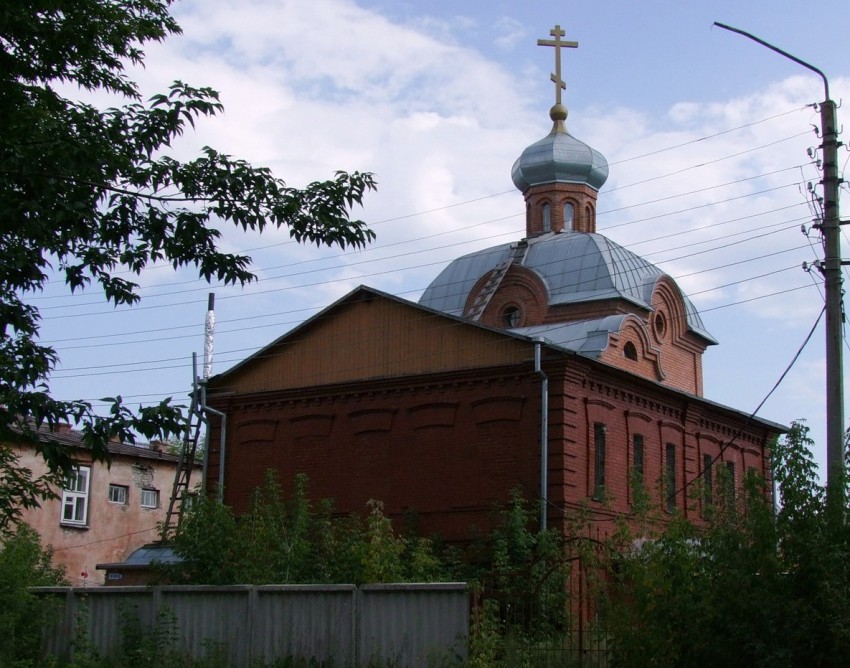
[[559, 158]]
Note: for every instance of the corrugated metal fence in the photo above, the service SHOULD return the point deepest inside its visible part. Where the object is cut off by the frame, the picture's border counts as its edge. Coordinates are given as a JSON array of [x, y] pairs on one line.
[[343, 625]]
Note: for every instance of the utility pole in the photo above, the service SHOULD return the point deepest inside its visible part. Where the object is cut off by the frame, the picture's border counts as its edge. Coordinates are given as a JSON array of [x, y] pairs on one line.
[[830, 267]]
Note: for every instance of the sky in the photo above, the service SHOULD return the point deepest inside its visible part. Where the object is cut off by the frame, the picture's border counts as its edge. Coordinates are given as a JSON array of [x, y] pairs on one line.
[[707, 135]]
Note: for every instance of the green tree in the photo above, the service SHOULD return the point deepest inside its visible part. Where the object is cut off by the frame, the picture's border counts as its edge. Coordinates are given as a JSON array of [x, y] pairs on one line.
[[92, 192], [24, 564], [284, 540], [755, 586]]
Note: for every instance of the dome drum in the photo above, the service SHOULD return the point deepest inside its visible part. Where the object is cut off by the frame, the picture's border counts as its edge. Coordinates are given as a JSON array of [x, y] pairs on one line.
[[581, 217]]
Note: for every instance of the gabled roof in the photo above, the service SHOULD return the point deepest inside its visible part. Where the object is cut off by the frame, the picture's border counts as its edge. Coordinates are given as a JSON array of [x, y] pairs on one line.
[[74, 439], [583, 339], [338, 327]]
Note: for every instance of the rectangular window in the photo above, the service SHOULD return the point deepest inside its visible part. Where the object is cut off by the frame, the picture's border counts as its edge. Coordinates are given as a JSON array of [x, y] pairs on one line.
[[599, 460], [671, 477], [75, 497], [730, 489], [707, 480], [150, 498], [118, 494], [637, 456]]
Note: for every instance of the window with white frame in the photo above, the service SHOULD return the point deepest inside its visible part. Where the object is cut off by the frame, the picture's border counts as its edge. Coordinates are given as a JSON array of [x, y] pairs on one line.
[[150, 498], [75, 497], [118, 494]]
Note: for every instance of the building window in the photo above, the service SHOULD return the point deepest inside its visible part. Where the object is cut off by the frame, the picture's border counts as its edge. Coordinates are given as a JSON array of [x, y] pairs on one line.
[[599, 460], [671, 477], [730, 483], [118, 494], [569, 216], [660, 325], [75, 497], [546, 210], [150, 498], [637, 457], [707, 480], [511, 316], [630, 351]]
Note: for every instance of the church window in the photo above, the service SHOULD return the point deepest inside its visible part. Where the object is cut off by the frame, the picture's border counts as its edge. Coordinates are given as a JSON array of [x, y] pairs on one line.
[[707, 480], [546, 210], [637, 457], [569, 216], [511, 316], [660, 324], [730, 483], [598, 460], [671, 477], [630, 351], [588, 218]]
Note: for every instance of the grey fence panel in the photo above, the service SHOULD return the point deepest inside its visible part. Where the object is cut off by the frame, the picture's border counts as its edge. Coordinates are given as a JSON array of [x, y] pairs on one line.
[[414, 625], [211, 619], [104, 616], [399, 625], [110, 614], [305, 622], [60, 627]]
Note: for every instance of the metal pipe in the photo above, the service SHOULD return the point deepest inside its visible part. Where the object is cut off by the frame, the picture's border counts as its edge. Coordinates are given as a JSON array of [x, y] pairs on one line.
[[544, 432], [219, 492], [209, 332]]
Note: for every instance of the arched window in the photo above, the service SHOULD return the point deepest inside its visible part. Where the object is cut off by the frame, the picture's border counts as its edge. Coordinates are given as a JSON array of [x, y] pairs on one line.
[[588, 219], [547, 218], [630, 351], [569, 216], [511, 316]]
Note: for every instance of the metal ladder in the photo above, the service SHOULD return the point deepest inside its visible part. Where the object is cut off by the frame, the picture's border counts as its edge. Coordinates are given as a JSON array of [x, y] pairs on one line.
[[180, 490], [499, 271]]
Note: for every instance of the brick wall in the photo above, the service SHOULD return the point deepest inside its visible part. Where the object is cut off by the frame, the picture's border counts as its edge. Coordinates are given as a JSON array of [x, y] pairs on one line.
[[449, 447]]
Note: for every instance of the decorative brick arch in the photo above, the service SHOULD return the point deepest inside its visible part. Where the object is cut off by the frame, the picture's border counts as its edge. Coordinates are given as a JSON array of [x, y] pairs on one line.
[[668, 319], [649, 359], [520, 288], [668, 323]]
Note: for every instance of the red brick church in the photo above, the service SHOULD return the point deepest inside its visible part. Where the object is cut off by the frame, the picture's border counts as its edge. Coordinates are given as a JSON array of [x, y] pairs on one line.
[[561, 363]]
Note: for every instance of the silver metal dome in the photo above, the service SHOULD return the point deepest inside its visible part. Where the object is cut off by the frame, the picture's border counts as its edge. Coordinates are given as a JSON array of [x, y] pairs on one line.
[[559, 158]]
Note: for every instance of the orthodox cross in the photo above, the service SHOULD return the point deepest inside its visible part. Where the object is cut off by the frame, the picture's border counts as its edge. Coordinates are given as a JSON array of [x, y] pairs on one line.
[[557, 33]]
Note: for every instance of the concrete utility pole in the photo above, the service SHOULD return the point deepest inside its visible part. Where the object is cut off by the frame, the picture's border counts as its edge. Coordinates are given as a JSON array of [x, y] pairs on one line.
[[830, 267]]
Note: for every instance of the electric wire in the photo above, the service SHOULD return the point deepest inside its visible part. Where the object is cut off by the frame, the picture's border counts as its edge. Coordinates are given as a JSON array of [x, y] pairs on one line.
[[718, 457], [701, 190]]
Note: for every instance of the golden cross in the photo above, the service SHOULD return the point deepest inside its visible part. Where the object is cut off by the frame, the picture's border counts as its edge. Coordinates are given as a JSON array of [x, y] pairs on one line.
[[557, 33]]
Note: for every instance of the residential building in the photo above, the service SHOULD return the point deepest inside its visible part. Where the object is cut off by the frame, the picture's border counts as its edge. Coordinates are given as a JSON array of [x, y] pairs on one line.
[[102, 513]]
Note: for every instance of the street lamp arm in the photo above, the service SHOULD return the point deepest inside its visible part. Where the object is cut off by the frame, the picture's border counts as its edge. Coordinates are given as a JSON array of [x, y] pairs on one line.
[[781, 52]]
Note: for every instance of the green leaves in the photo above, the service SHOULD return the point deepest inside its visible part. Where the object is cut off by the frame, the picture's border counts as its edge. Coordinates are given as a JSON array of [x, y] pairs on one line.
[[284, 540], [93, 192], [755, 586]]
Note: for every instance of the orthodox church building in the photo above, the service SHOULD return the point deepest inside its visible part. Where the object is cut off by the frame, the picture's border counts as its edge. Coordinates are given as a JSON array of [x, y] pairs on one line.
[[561, 364]]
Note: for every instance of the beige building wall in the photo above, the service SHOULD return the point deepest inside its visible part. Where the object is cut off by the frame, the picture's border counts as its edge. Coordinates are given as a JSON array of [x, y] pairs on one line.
[[108, 529]]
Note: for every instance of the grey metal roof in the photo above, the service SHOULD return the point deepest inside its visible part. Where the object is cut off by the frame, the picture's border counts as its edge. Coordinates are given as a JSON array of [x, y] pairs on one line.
[[587, 337], [74, 438], [559, 158], [153, 553], [574, 266]]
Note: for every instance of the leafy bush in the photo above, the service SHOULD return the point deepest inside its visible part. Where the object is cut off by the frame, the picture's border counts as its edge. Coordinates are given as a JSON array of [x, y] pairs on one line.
[[24, 564]]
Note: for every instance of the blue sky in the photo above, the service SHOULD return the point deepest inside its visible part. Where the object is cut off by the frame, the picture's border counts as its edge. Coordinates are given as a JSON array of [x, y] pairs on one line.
[[706, 133]]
